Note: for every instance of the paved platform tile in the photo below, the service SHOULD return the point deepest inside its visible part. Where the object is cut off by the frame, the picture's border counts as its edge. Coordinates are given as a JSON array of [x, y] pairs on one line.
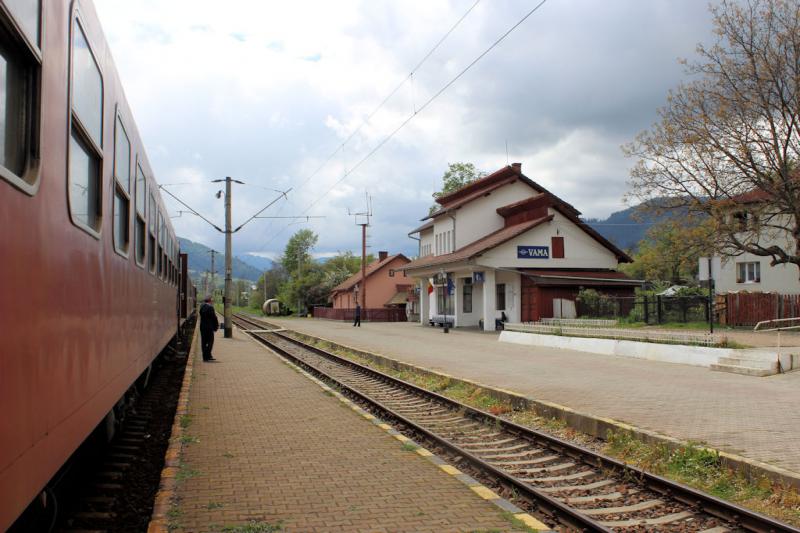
[[272, 447]]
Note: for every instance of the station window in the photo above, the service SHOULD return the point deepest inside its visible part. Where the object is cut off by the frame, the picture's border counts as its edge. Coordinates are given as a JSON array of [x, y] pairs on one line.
[[122, 186], [86, 135], [139, 230], [748, 272], [20, 95], [151, 222], [501, 297]]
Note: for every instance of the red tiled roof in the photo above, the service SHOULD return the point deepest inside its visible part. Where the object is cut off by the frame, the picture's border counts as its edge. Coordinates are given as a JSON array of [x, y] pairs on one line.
[[487, 184], [752, 197], [455, 204], [603, 274], [373, 267], [428, 224], [478, 247]]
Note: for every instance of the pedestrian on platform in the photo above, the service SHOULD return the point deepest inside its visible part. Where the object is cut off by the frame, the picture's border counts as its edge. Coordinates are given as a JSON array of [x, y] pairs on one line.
[[208, 325], [357, 321]]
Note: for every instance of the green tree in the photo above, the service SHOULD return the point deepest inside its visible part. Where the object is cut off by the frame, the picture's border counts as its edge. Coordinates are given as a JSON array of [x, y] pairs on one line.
[[303, 272], [275, 277], [671, 249], [456, 176], [734, 129]]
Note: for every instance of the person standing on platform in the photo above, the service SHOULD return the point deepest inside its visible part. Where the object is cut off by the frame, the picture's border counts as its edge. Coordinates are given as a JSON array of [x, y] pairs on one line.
[[208, 325], [357, 321]]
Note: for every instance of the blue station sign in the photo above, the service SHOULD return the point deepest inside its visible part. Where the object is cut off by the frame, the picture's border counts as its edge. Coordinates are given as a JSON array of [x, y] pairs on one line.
[[533, 252]]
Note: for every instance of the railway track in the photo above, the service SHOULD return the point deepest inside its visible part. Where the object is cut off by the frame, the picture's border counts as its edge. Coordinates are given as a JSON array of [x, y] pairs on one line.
[[565, 485]]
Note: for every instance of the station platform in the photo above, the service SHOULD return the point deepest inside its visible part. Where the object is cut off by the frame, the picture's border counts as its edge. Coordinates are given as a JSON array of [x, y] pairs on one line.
[[756, 418], [266, 448]]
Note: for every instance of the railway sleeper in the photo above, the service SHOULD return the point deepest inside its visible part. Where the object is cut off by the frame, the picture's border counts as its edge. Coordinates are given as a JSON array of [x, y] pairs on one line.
[[658, 521], [624, 509], [572, 488], [607, 496]]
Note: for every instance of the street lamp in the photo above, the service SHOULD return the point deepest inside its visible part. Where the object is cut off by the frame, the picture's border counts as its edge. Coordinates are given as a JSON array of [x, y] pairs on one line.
[[443, 276]]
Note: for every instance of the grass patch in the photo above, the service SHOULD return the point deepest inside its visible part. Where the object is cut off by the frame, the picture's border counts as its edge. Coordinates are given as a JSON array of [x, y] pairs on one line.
[[410, 446], [188, 439], [174, 518], [517, 523], [184, 473], [702, 469], [229, 455], [185, 421], [214, 505], [254, 526]]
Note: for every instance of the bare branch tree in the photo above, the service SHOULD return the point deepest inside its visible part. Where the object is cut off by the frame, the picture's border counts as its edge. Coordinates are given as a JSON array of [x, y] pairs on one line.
[[726, 143]]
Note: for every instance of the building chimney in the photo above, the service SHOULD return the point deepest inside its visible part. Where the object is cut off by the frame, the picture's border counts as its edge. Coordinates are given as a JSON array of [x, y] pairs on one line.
[[382, 255], [517, 167]]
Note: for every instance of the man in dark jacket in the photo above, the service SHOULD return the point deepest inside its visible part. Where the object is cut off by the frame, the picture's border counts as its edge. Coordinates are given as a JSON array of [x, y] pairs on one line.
[[208, 325], [357, 321]]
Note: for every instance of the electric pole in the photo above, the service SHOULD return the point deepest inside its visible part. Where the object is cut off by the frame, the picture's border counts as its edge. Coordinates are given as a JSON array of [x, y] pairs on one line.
[[213, 273], [228, 231], [365, 222], [228, 259]]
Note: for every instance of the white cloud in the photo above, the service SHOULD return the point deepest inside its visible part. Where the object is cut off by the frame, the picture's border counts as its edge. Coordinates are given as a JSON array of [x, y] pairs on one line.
[[265, 91]]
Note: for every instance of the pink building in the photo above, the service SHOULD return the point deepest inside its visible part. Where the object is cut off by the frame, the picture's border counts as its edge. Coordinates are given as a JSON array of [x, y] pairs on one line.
[[386, 283]]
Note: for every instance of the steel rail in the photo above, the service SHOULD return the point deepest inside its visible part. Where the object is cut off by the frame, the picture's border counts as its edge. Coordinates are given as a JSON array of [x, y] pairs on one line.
[[734, 515]]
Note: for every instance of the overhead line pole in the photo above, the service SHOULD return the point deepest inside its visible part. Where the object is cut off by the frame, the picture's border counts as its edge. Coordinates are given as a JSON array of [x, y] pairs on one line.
[[228, 260]]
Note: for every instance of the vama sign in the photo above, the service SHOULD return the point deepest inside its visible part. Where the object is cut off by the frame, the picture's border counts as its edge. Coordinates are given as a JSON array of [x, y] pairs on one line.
[[533, 252]]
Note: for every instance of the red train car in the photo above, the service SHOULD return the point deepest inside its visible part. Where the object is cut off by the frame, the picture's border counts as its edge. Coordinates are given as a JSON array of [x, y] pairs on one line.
[[89, 262]]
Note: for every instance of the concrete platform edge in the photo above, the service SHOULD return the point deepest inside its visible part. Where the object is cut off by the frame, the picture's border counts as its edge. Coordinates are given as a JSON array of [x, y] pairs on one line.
[[159, 520], [482, 491], [587, 423]]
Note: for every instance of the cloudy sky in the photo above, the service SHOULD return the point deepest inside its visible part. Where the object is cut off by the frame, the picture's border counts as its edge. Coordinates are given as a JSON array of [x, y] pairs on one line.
[[266, 92]]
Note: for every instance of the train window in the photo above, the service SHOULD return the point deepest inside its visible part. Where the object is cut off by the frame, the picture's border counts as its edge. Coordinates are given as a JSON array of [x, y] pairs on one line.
[[151, 219], [122, 186], [139, 235], [84, 189], [28, 16], [161, 245], [85, 150], [87, 94], [20, 102]]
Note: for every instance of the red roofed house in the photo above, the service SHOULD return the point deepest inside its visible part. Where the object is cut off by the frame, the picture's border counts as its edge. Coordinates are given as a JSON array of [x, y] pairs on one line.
[[506, 245], [757, 216], [387, 285]]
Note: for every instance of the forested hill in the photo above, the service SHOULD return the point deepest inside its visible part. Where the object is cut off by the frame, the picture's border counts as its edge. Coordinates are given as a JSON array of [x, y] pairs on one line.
[[624, 230], [200, 261]]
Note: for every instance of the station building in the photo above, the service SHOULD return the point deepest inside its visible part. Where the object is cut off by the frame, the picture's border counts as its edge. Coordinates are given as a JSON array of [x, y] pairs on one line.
[[386, 284], [503, 247]]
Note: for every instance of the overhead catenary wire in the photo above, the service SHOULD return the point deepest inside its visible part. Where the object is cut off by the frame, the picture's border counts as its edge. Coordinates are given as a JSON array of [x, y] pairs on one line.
[[390, 95], [428, 102]]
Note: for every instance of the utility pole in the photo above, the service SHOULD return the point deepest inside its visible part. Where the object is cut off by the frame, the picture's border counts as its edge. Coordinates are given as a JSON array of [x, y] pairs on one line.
[[364, 223], [228, 231], [228, 259], [213, 273]]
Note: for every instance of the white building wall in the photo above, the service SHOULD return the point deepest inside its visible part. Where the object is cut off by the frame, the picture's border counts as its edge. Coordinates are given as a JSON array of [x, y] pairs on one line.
[[580, 249], [783, 279], [479, 217], [425, 240]]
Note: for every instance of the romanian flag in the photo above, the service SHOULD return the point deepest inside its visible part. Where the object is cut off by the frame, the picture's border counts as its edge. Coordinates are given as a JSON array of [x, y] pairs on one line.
[[430, 287]]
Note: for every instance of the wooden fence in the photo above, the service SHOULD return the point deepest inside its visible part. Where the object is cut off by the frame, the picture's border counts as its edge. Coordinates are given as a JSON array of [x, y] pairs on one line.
[[387, 314], [749, 308]]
